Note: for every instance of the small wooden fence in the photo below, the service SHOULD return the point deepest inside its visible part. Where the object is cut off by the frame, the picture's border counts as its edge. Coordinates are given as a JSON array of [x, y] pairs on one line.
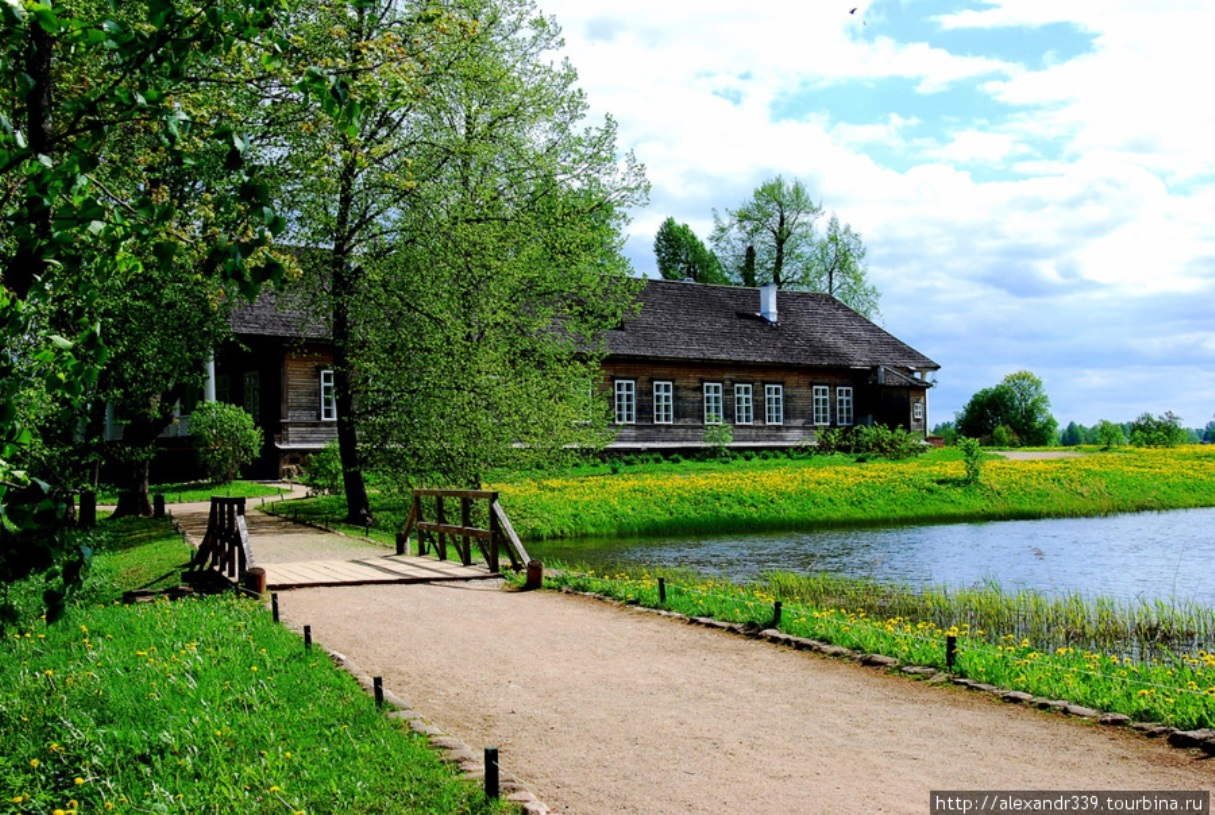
[[225, 548], [439, 534]]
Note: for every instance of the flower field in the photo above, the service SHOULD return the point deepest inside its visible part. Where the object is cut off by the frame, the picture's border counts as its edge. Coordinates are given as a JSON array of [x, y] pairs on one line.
[[789, 494]]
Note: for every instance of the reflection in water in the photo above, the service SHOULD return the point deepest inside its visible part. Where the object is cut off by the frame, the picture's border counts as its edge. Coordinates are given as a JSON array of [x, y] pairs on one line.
[[1149, 555]]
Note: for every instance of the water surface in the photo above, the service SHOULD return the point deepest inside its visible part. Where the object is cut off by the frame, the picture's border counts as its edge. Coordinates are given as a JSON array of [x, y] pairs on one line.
[[1150, 555]]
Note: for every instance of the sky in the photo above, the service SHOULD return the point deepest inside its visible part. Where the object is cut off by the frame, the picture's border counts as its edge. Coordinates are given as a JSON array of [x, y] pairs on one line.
[[1032, 178]]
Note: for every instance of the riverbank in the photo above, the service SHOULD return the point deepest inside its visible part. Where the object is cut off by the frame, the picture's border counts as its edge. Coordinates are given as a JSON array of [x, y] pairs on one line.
[[838, 491], [652, 497]]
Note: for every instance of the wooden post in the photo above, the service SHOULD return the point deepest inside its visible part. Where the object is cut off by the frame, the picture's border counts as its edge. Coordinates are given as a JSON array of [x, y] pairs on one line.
[[307, 637], [495, 540], [87, 517], [466, 521], [951, 652], [535, 575], [776, 609], [662, 590], [377, 684], [417, 516], [441, 518], [491, 772], [274, 606], [255, 580]]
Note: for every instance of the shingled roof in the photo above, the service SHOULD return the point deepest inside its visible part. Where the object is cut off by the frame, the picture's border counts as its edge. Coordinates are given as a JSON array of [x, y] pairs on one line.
[[694, 321], [286, 315]]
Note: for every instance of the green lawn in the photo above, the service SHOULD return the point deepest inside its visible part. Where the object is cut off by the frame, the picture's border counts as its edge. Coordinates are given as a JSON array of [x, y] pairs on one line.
[[181, 492], [198, 705]]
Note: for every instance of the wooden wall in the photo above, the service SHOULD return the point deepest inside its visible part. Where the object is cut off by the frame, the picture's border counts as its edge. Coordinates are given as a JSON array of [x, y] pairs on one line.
[[871, 402]]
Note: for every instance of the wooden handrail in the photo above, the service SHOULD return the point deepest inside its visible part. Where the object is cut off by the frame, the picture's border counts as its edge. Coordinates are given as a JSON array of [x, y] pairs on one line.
[[491, 542], [225, 547]]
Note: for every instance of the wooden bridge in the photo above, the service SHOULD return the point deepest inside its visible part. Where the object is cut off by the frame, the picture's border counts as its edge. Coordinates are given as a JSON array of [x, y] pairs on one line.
[[227, 548]]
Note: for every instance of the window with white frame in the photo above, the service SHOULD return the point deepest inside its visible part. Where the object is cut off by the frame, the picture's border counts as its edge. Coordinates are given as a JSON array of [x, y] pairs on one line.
[[843, 406], [822, 404], [715, 410], [774, 404], [253, 395], [223, 388], [744, 406], [664, 402], [917, 411], [626, 401], [328, 397]]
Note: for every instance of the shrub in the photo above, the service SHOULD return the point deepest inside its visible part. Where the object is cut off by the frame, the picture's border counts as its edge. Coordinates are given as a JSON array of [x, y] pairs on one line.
[[972, 458], [719, 437], [1003, 436], [676, 459], [324, 471], [895, 444], [834, 440], [226, 439]]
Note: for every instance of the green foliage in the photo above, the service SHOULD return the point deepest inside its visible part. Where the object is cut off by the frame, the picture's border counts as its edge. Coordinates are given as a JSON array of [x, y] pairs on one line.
[[893, 444], [1158, 431], [719, 437], [777, 223], [1004, 436], [946, 431], [681, 255], [1020, 404], [877, 440], [226, 439], [1109, 435], [87, 173], [324, 471], [972, 458], [837, 267]]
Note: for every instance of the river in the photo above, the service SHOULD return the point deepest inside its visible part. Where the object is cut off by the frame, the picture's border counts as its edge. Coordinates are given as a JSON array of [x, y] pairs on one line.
[[1148, 555]]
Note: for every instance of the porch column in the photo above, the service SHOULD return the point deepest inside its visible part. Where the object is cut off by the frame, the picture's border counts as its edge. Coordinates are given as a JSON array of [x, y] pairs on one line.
[[209, 387]]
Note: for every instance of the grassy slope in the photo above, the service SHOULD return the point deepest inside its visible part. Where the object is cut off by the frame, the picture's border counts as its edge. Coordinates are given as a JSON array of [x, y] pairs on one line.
[[200, 705], [837, 491]]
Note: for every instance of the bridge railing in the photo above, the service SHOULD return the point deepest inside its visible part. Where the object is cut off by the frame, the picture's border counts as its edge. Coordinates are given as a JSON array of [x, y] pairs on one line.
[[225, 547], [441, 532]]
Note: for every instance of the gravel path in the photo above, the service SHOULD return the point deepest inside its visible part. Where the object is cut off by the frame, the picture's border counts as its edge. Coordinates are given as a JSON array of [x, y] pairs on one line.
[[606, 710]]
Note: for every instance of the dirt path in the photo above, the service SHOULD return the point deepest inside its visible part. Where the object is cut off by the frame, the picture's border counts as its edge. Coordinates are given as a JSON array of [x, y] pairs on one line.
[[604, 710]]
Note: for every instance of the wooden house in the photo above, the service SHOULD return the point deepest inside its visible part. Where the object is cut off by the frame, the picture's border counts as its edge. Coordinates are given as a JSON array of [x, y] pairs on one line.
[[778, 366]]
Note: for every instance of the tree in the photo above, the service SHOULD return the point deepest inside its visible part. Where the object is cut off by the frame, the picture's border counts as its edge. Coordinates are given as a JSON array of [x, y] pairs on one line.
[[75, 80], [479, 333], [1157, 431], [777, 224], [837, 267], [1209, 433], [1109, 435], [681, 255], [1019, 404], [1072, 436]]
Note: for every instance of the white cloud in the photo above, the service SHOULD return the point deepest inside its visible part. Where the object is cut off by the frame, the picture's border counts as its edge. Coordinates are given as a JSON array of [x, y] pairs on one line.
[[1071, 237]]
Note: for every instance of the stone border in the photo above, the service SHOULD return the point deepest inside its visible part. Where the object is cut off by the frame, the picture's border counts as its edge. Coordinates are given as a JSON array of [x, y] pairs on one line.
[[452, 749], [1183, 739]]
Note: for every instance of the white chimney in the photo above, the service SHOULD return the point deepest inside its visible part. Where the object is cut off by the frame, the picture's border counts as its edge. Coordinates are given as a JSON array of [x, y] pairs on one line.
[[767, 302]]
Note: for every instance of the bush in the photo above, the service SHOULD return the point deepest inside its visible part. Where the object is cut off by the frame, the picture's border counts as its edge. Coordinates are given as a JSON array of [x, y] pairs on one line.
[[895, 444], [833, 440], [226, 439], [1158, 431], [324, 471], [1003, 436], [719, 437], [972, 458]]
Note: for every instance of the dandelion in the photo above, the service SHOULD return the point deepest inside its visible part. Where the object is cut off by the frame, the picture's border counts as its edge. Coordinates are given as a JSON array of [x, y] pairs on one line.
[[78, 780], [276, 788], [34, 763]]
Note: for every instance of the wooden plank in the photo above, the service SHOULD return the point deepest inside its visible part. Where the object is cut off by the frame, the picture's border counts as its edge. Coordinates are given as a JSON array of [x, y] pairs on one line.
[[454, 531], [475, 494]]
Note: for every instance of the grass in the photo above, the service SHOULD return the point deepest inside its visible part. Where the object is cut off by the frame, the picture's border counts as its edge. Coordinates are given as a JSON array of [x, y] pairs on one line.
[[836, 491], [181, 492], [1175, 687], [200, 705]]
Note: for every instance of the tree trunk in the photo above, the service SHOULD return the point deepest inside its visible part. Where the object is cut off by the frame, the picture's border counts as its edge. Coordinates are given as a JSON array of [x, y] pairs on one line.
[[139, 440], [345, 288], [133, 499]]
